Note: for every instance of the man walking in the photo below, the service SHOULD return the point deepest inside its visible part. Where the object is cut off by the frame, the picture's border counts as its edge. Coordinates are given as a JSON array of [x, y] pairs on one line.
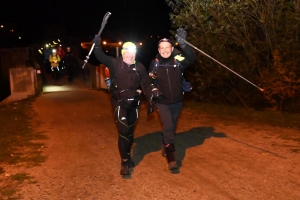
[[166, 77]]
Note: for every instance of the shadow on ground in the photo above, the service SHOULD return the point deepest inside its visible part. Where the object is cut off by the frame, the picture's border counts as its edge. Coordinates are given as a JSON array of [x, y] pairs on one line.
[[152, 142]]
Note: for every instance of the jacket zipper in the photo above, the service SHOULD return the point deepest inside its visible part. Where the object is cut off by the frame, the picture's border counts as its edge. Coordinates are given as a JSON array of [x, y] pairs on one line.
[[170, 84]]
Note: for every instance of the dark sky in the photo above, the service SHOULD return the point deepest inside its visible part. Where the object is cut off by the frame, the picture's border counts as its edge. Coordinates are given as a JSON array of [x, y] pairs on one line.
[[130, 18]]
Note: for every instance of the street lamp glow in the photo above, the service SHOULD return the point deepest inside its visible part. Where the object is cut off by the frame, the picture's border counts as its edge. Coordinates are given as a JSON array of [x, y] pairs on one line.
[[104, 42], [140, 43], [2, 26], [20, 38], [120, 43]]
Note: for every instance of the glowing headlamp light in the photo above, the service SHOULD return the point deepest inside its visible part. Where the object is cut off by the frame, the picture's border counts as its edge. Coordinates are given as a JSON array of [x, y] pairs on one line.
[[130, 49], [129, 46]]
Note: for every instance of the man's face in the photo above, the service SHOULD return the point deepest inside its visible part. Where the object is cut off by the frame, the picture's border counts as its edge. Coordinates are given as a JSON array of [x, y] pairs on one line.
[[165, 49], [129, 57]]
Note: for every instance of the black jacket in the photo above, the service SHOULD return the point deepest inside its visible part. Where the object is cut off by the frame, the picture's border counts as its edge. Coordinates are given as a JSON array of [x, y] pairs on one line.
[[169, 75], [70, 59], [124, 76]]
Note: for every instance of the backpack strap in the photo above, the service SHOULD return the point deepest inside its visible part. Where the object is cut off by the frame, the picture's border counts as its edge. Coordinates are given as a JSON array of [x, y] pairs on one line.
[[177, 63], [155, 65], [120, 68]]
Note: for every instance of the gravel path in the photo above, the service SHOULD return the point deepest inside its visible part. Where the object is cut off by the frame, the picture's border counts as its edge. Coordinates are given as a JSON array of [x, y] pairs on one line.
[[218, 160]]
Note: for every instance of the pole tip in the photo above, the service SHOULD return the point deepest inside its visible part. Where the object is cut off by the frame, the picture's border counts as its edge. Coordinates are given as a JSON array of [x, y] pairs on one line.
[[261, 89]]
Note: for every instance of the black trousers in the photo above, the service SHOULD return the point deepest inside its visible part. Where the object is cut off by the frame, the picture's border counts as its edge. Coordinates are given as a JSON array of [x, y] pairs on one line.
[[125, 120], [70, 72], [169, 114], [55, 73]]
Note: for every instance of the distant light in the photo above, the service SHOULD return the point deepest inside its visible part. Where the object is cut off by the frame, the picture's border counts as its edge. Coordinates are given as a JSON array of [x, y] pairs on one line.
[[140, 43], [157, 36], [106, 51], [11, 30], [104, 42], [58, 40], [60, 88], [2, 26], [20, 38], [151, 36], [120, 43]]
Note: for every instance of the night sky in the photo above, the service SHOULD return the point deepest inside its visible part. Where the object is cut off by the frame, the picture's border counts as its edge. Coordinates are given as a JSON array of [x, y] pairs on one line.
[[42, 21], [36, 20]]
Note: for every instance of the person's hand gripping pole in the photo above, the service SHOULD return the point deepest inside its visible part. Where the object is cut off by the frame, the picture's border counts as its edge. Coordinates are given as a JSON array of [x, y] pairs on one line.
[[104, 21]]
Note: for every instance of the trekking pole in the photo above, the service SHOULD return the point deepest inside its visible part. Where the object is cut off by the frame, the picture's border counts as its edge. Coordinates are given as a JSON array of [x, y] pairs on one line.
[[104, 21], [261, 89]]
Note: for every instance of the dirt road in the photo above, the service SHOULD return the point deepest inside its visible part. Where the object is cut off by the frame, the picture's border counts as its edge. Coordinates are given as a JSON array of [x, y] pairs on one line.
[[218, 159]]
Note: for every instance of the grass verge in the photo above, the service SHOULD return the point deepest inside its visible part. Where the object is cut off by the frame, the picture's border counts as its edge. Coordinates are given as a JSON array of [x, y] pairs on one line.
[[238, 114], [20, 146]]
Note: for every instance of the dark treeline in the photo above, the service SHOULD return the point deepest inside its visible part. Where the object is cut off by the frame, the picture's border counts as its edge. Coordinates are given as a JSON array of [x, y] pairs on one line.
[[257, 39]]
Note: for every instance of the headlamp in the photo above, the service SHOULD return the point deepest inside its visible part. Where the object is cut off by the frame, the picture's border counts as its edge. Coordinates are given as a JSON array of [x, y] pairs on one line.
[[165, 40], [130, 49], [129, 46]]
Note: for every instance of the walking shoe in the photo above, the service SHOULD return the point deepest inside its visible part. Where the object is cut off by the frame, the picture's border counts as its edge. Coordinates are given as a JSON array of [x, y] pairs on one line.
[[124, 167], [171, 156], [172, 165]]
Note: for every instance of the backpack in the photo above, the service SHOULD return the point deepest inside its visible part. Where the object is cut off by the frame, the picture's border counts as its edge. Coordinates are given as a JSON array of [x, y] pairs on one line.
[[186, 85]]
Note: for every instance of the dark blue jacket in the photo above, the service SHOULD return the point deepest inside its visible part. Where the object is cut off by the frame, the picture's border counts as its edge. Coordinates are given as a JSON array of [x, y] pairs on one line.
[[169, 75]]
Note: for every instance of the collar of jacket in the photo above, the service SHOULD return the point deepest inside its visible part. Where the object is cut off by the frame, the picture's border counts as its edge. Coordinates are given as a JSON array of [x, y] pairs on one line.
[[165, 60]]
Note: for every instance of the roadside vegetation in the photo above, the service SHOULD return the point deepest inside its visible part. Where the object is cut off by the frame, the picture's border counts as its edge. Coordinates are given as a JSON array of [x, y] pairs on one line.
[[260, 40]]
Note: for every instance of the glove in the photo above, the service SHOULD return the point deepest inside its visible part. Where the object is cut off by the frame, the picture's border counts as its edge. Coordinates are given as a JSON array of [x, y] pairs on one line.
[[181, 33], [151, 107], [156, 93], [97, 41]]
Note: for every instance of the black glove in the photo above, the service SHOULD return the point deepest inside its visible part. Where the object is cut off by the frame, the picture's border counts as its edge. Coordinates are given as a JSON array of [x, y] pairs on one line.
[[151, 107], [181, 33], [156, 93], [97, 41]]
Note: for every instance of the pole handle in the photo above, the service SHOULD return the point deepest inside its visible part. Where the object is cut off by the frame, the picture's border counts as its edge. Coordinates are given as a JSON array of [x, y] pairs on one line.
[[104, 21]]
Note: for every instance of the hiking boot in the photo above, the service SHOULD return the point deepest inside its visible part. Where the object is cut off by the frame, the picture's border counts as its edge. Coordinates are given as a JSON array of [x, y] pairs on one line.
[[172, 165], [124, 167], [171, 156]]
